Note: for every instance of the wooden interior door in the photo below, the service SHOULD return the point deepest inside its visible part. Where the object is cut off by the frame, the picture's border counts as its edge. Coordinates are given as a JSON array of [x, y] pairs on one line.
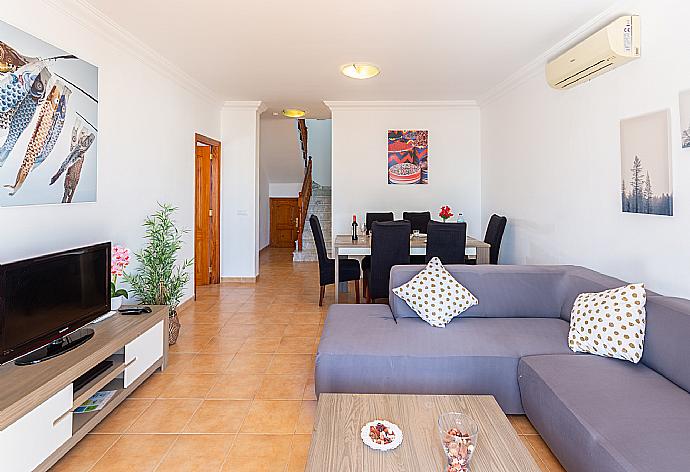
[[207, 215], [283, 227]]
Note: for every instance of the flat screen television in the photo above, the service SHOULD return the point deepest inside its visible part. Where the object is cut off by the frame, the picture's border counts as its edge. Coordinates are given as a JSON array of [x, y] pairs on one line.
[[45, 298]]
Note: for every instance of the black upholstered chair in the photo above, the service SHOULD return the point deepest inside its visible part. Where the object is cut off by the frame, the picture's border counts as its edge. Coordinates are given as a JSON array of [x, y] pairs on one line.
[[446, 241], [368, 221], [371, 217], [349, 268], [418, 220], [494, 236], [390, 245]]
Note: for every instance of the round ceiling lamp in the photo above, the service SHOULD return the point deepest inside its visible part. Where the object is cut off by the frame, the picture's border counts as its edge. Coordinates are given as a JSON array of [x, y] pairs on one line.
[[294, 113], [360, 70]]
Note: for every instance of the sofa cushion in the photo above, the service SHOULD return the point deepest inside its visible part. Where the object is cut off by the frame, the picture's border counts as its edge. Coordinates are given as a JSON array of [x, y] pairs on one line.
[[610, 323], [667, 338], [435, 295], [503, 291], [605, 414], [362, 350]]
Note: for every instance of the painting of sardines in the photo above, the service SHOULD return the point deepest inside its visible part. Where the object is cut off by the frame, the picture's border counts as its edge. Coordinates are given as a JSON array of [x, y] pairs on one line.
[[48, 123], [408, 157]]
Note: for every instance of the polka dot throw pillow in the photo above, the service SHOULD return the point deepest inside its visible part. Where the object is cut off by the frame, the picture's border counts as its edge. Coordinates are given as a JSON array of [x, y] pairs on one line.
[[610, 323], [435, 295]]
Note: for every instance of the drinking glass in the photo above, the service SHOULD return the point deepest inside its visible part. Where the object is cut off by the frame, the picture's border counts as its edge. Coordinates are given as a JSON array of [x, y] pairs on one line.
[[459, 440]]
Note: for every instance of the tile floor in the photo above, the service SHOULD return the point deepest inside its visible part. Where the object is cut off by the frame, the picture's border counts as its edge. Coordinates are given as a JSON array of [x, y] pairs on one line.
[[238, 394]]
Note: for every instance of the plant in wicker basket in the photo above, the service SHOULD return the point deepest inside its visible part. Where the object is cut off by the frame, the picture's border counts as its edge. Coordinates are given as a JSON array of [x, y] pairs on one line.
[[159, 279]]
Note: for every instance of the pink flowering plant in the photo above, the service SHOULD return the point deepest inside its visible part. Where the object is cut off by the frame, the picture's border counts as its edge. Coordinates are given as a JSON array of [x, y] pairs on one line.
[[119, 259]]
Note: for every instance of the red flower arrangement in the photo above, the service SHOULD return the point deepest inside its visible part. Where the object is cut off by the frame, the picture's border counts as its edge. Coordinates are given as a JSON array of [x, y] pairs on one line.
[[445, 213]]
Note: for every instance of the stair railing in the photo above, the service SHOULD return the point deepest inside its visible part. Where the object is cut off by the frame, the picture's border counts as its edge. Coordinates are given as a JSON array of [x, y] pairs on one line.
[[303, 204]]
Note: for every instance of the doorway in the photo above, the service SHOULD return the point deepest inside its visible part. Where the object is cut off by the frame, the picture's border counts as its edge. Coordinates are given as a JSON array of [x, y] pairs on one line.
[[283, 218], [206, 211]]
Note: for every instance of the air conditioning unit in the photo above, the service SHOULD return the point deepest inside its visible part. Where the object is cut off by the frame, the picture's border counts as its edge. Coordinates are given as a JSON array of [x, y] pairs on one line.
[[608, 48]]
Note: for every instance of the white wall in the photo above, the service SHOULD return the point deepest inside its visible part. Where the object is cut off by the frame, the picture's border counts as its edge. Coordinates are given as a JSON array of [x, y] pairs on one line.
[[360, 171], [285, 190], [147, 121], [240, 232], [264, 210], [551, 163], [319, 139], [281, 155]]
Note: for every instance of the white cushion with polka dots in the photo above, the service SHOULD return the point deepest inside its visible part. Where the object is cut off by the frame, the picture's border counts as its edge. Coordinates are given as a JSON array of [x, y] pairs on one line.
[[435, 295], [610, 323]]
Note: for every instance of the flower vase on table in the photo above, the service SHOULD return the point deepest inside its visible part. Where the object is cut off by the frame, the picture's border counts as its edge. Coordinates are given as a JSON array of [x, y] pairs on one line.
[[445, 213], [119, 259]]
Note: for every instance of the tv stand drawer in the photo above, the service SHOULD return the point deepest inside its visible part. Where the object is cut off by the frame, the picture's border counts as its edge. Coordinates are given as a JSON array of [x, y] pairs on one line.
[[27, 442], [143, 352]]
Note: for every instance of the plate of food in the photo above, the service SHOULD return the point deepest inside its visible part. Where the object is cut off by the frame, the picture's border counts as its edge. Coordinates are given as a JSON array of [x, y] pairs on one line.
[[404, 173], [382, 435]]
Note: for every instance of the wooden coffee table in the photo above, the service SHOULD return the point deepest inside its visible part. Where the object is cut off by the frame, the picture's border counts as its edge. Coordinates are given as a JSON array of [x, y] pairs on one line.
[[336, 444]]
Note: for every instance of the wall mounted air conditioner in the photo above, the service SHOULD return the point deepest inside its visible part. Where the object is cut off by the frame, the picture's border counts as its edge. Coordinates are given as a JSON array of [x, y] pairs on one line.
[[608, 48]]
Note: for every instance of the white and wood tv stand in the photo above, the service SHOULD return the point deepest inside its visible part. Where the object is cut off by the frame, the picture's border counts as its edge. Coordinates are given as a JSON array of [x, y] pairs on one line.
[[37, 422]]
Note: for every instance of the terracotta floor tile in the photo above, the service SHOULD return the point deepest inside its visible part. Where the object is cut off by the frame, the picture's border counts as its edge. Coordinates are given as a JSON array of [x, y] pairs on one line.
[[189, 386], [305, 422], [299, 452], [135, 453], [297, 345], [250, 363], [209, 363], [165, 416], [222, 345], [86, 453], [260, 345], [153, 386], [236, 386], [303, 330], [257, 452], [197, 453], [218, 416], [189, 343], [272, 417], [544, 453], [522, 424], [282, 387], [122, 417], [293, 364], [313, 317], [178, 362], [242, 330], [310, 390]]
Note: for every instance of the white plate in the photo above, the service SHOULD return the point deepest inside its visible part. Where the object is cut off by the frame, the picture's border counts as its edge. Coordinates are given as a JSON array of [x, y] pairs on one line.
[[382, 447]]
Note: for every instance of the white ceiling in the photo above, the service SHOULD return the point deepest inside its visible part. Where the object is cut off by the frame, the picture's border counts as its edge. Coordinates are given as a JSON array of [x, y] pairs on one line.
[[288, 53]]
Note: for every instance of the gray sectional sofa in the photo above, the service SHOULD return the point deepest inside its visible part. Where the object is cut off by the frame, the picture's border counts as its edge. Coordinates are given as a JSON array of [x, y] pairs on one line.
[[596, 414]]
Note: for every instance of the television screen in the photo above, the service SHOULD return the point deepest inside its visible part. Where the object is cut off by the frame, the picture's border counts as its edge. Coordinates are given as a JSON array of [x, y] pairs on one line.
[[47, 297]]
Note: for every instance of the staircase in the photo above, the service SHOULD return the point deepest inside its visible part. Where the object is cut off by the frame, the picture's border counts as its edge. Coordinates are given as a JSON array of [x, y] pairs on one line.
[[319, 205]]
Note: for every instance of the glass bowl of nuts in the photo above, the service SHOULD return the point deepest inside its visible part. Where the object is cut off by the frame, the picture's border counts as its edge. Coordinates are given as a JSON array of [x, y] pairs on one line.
[[459, 440]]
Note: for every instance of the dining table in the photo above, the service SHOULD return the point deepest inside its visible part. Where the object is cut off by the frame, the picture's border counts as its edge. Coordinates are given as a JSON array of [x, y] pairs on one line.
[[344, 245]]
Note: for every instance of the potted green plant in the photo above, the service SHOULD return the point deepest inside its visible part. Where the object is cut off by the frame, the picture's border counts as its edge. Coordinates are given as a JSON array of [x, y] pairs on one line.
[[159, 279]]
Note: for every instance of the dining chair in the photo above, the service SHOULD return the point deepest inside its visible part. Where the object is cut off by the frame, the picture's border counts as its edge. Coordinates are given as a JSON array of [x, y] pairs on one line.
[[390, 245], [348, 268], [418, 219], [369, 220], [494, 236], [446, 241]]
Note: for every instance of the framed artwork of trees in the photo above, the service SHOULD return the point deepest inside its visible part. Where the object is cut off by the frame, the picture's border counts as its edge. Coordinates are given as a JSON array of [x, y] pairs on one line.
[[646, 182]]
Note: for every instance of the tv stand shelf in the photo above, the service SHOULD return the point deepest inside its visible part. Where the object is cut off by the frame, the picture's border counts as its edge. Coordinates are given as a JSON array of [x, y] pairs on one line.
[[38, 401]]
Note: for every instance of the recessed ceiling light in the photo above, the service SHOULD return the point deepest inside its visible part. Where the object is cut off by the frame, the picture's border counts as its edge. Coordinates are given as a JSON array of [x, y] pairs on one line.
[[293, 113], [275, 113], [360, 70]]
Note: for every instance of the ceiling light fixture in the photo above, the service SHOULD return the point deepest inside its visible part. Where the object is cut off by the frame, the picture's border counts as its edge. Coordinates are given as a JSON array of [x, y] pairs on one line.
[[360, 70], [294, 113]]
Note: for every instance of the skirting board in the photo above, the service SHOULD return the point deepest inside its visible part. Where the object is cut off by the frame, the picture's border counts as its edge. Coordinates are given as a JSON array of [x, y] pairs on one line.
[[243, 280]]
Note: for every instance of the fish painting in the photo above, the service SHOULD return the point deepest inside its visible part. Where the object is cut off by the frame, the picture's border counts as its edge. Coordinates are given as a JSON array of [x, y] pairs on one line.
[[56, 127], [40, 136], [24, 114], [11, 60], [14, 87], [82, 140]]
